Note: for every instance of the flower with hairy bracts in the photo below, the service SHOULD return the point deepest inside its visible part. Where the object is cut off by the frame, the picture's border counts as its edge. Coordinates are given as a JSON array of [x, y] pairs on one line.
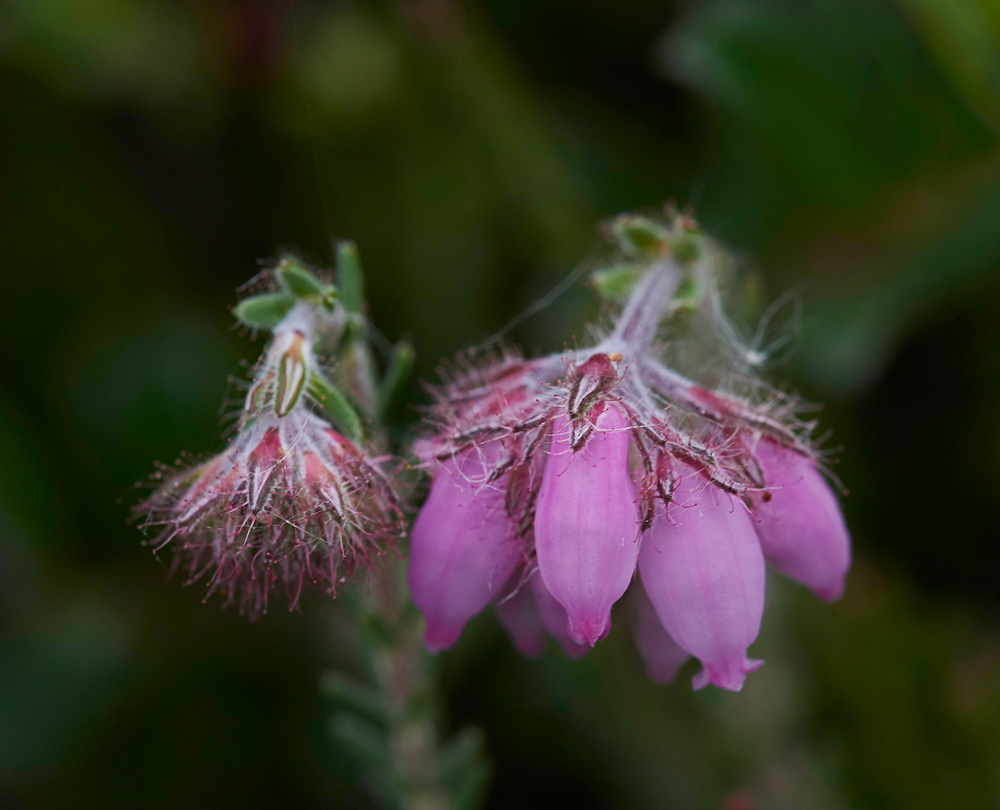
[[293, 502], [556, 481], [290, 504]]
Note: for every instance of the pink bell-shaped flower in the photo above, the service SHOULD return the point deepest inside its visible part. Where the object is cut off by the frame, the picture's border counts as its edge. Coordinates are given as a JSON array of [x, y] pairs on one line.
[[553, 616], [799, 522], [462, 549], [704, 572], [661, 654], [586, 523], [519, 616]]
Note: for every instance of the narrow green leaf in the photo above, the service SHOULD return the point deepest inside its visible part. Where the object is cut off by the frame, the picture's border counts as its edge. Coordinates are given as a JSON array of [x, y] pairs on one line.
[[351, 694], [263, 311], [336, 406], [396, 375], [350, 277], [465, 768], [298, 280], [617, 281], [638, 235], [361, 738]]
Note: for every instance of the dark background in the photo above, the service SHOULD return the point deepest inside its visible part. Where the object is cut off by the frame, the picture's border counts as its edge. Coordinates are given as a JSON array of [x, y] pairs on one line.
[[151, 151]]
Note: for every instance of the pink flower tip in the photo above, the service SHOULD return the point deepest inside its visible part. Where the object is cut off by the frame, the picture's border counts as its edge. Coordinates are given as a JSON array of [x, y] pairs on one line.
[[589, 630], [726, 676], [439, 637]]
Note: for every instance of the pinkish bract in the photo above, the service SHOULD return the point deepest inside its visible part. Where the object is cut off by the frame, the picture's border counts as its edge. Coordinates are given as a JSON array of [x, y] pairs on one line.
[[572, 472]]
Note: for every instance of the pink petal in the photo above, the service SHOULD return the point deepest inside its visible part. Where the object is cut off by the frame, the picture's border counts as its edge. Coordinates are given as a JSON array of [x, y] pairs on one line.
[[553, 617], [586, 524], [462, 550], [519, 616], [799, 522], [662, 655], [704, 572]]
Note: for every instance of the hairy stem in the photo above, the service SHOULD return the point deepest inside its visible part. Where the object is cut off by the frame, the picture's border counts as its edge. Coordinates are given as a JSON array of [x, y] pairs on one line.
[[403, 672], [637, 326]]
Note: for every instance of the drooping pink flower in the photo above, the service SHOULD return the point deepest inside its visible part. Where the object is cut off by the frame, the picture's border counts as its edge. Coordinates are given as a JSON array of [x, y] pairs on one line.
[[463, 546], [519, 616], [599, 475], [586, 523], [291, 503], [702, 566], [799, 522], [554, 619], [661, 654]]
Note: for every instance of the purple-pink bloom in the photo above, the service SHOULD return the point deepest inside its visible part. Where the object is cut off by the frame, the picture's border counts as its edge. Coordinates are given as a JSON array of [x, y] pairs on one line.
[[519, 616], [703, 569], [799, 522], [587, 523], [463, 547], [661, 654], [554, 618]]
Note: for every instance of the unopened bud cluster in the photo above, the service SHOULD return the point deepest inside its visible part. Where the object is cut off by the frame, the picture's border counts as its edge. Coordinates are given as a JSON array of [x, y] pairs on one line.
[[563, 482]]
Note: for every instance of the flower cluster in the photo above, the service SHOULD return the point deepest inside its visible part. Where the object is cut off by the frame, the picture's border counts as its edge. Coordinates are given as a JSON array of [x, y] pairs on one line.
[[292, 502], [555, 480]]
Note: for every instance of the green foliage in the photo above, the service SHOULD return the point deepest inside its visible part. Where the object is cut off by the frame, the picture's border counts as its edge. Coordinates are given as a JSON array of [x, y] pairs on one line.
[[336, 406], [263, 311], [396, 374], [350, 277]]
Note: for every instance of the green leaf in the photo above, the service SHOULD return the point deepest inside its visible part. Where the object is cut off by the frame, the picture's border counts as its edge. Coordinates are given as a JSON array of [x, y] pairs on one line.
[[298, 280], [364, 739], [336, 406], [263, 311], [350, 277], [465, 768], [396, 375], [639, 236], [616, 282], [351, 694]]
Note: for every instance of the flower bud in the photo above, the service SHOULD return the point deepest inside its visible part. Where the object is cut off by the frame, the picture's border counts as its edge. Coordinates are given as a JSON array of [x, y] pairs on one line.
[[799, 522], [462, 549], [703, 569], [586, 523]]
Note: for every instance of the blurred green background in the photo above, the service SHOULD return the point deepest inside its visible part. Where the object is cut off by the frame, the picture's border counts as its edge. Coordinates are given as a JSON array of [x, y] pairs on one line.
[[152, 151]]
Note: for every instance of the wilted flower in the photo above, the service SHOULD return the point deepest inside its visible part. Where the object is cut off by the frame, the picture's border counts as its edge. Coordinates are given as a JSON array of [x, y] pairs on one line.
[[569, 474], [292, 502]]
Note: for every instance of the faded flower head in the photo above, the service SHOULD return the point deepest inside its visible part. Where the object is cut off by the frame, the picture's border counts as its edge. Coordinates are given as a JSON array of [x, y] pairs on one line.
[[555, 481], [292, 502]]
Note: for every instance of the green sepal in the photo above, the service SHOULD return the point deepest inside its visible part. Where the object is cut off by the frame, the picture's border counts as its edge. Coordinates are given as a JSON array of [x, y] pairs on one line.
[[685, 248], [336, 406], [396, 375], [639, 236], [350, 277], [688, 294], [351, 694], [264, 311], [298, 280], [617, 281]]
